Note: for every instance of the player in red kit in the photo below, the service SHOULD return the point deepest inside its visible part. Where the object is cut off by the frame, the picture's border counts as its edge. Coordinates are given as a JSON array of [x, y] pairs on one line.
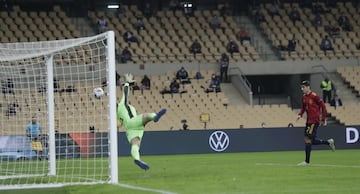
[[315, 110]]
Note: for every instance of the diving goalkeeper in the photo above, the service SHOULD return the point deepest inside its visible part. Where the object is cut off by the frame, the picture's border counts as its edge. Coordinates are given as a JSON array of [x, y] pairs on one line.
[[133, 123]]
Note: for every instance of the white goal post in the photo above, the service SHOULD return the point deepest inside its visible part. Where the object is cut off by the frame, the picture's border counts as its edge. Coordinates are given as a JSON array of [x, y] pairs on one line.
[[52, 82]]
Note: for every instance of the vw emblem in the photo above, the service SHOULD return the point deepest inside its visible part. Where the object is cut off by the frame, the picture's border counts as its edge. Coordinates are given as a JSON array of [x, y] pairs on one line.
[[219, 141]]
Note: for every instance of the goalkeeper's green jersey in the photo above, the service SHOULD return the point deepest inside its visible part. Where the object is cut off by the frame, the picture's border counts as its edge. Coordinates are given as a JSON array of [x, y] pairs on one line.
[[127, 113]]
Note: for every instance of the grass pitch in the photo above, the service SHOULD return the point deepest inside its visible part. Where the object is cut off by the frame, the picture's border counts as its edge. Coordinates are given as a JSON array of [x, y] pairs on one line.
[[233, 173]]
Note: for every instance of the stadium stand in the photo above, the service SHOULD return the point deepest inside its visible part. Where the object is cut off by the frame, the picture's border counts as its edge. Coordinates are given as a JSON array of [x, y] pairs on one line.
[[170, 34], [351, 76], [188, 106], [347, 114], [23, 26], [279, 29], [166, 40]]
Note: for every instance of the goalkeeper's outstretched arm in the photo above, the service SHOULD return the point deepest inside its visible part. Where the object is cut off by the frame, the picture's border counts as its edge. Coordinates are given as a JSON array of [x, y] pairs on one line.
[[129, 80], [126, 92]]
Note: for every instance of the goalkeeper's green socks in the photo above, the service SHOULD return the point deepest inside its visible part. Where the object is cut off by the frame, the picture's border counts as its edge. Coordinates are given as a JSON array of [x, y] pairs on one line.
[[135, 151], [151, 116]]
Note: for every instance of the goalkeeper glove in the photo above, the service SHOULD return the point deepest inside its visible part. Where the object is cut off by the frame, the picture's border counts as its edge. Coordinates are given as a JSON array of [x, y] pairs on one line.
[[129, 78]]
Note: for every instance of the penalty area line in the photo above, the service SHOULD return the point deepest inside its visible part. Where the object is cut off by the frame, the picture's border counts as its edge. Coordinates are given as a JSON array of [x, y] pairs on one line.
[[317, 165], [144, 189]]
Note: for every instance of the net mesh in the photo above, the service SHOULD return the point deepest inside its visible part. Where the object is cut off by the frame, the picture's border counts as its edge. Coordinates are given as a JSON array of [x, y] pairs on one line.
[[80, 120]]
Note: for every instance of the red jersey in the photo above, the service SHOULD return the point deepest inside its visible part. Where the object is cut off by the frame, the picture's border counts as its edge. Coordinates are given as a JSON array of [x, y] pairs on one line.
[[312, 104]]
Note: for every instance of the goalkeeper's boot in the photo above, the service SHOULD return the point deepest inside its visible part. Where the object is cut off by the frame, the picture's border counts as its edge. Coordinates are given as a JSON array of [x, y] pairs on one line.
[[159, 114], [331, 144], [142, 164]]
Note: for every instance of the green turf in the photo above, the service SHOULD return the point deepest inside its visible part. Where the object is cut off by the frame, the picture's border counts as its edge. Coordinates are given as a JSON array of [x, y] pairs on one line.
[[244, 173]]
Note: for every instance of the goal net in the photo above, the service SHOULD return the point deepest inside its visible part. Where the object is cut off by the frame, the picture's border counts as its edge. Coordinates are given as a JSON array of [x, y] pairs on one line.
[[51, 83]]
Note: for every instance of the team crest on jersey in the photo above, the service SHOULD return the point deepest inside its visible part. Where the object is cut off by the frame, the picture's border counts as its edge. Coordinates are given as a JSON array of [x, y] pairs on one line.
[[311, 101]]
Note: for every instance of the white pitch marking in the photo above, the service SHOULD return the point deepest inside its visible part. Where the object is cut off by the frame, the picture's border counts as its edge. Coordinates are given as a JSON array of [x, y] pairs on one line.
[[320, 165], [145, 189], [339, 190]]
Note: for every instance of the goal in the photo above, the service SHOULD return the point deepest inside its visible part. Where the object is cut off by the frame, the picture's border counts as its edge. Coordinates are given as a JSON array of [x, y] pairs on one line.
[[52, 82]]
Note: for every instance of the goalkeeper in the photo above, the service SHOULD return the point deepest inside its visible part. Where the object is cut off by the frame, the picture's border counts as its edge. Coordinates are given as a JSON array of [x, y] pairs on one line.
[[133, 123]]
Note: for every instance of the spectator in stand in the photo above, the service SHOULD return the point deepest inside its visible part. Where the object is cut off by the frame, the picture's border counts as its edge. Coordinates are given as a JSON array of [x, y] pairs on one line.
[[232, 47], [259, 15], [344, 22], [292, 45], [125, 55], [326, 44], [333, 31], [148, 10], [188, 9], [198, 75], [11, 110], [336, 101], [42, 88], [129, 37], [295, 15], [183, 76], [214, 85], [121, 11], [102, 25], [317, 21], [327, 87], [8, 87], [174, 88], [343, 19], [195, 48], [56, 85], [224, 66], [145, 83], [319, 9], [173, 5], [215, 22], [225, 10], [139, 25], [274, 9], [244, 37]]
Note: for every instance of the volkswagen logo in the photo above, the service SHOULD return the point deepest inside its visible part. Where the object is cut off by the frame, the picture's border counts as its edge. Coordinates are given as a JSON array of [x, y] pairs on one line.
[[219, 141]]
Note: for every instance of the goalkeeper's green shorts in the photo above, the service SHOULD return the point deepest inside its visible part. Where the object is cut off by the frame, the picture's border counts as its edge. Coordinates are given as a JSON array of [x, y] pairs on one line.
[[134, 127]]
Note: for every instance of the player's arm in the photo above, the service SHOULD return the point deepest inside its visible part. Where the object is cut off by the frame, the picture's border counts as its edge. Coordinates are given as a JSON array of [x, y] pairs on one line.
[[129, 80], [322, 109], [126, 92], [27, 130], [302, 110], [40, 130]]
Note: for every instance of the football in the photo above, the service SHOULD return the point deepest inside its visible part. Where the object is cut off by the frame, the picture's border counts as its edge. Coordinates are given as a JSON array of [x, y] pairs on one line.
[[98, 93]]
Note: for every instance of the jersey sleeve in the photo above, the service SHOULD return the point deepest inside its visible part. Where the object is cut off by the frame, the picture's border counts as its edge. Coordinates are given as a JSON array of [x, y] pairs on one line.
[[126, 92], [302, 109], [322, 107]]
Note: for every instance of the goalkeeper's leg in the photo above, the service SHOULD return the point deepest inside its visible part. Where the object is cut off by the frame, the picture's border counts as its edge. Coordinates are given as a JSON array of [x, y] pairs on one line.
[[147, 117], [135, 153], [134, 132]]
